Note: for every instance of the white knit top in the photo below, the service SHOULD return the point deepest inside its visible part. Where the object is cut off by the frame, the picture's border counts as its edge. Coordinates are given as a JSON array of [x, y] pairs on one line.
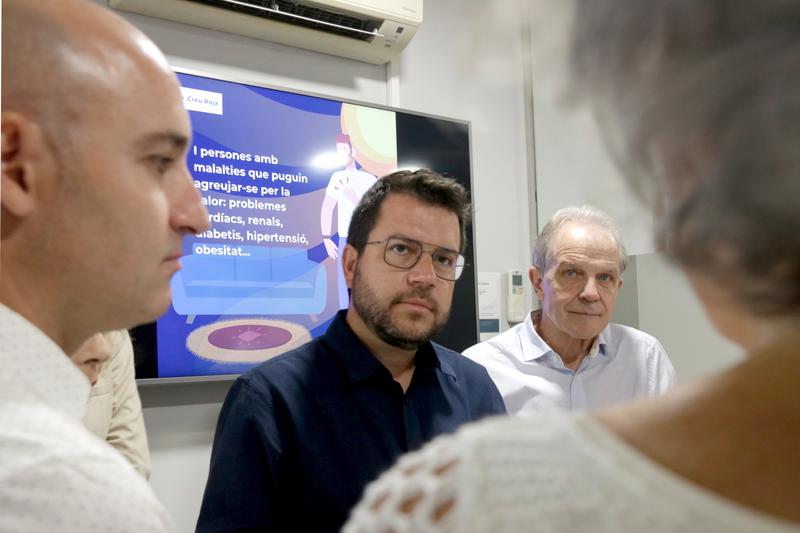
[[549, 473]]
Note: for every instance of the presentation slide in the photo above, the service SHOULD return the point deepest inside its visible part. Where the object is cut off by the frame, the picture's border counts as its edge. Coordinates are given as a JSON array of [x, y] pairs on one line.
[[276, 171], [280, 174]]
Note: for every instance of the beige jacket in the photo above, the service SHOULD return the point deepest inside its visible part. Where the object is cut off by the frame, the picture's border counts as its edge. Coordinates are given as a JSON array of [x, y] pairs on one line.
[[114, 410]]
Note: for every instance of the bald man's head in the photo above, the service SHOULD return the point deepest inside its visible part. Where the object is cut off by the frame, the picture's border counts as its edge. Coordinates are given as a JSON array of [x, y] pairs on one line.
[[61, 55], [96, 193], [32, 47]]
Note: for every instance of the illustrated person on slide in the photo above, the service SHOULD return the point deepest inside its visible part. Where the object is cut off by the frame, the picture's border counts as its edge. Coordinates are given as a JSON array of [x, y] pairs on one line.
[[345, 189]]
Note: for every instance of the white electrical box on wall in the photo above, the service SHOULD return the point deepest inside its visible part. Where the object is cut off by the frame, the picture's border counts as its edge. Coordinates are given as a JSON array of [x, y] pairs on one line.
[[490, 296], [516, 296]]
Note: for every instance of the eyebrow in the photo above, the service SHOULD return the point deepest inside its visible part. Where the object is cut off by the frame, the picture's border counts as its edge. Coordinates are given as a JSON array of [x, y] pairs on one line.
[[436, 246], [574, 266], [176, 140]]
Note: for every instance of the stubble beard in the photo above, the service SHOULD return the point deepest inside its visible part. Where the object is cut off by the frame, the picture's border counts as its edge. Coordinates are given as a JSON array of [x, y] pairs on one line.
[[378, 319]]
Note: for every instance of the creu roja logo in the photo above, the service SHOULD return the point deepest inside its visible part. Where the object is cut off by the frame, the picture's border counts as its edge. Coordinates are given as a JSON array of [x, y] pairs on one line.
[[202, 101]]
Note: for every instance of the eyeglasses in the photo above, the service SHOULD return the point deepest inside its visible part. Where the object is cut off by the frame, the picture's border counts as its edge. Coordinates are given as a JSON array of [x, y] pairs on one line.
[[404, 253]]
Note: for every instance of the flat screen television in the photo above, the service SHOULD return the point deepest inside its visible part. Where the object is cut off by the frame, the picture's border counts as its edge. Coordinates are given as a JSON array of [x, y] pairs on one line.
[[267, 163]]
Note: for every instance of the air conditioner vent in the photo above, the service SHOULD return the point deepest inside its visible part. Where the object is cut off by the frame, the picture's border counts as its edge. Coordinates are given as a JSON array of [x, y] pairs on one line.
[[374, 31], [315, 18]]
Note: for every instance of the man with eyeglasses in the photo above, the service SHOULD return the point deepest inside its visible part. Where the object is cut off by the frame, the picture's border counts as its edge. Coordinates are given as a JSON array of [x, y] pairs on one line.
[[300, 436]]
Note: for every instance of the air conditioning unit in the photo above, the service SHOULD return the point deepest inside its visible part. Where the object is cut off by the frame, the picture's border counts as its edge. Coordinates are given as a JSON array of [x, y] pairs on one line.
[[374, 31]]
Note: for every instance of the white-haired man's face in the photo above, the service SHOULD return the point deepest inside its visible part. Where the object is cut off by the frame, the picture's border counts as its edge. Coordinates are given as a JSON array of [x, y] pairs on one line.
[[579, 289]]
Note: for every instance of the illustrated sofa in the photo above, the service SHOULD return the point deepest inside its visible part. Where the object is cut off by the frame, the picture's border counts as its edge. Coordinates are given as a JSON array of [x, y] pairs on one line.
[[270, 281]]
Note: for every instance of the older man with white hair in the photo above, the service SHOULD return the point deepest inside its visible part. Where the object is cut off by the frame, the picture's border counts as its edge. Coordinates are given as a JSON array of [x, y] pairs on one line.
[[566, 354]]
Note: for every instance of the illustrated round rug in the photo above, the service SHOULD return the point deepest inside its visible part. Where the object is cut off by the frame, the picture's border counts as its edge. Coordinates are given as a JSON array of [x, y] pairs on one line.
[[246, 340]]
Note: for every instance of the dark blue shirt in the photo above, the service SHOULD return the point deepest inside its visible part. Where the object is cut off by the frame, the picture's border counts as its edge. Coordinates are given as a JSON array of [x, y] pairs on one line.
[[301, 435]]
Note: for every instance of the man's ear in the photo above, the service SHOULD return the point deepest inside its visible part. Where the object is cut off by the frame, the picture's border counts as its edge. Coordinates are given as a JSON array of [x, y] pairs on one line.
[[349, 261], [22, 150], [536, 278]]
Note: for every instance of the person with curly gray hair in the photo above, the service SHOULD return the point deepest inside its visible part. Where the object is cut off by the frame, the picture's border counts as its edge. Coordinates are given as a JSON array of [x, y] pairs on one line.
[[700, 104]]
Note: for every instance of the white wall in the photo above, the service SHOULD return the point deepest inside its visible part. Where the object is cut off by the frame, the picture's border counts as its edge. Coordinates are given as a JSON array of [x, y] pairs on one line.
[[573, 167], [180, 421], [448, 70], [435, 76], [669, 310]]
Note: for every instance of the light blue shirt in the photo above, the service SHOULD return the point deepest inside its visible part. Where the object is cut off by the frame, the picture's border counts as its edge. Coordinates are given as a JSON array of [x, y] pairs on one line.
[[623, 363]]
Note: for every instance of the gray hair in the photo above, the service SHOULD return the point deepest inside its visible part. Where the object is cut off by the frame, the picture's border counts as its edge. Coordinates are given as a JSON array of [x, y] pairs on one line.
[[700, 105], [584, 215]]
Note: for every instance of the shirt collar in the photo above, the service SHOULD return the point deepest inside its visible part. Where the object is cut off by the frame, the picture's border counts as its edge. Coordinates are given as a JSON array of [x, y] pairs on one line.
[[358, 361], [534, 346], [33, 365], [602, 341]]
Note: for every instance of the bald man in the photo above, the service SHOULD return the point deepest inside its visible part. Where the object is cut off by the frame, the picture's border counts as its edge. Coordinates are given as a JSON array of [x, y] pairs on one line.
[[96, 200]]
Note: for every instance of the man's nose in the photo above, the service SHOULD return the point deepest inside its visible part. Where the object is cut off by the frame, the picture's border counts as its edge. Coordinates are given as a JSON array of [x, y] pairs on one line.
[[423, 272], [589, 291], [187, 212]]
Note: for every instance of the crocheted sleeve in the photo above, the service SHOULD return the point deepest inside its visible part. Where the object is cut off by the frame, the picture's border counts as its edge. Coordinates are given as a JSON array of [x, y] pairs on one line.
[[495, 474], [544, 473], [419, 494]]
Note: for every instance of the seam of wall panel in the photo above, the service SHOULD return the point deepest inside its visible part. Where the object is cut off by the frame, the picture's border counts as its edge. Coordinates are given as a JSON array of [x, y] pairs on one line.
[[530, 134]]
